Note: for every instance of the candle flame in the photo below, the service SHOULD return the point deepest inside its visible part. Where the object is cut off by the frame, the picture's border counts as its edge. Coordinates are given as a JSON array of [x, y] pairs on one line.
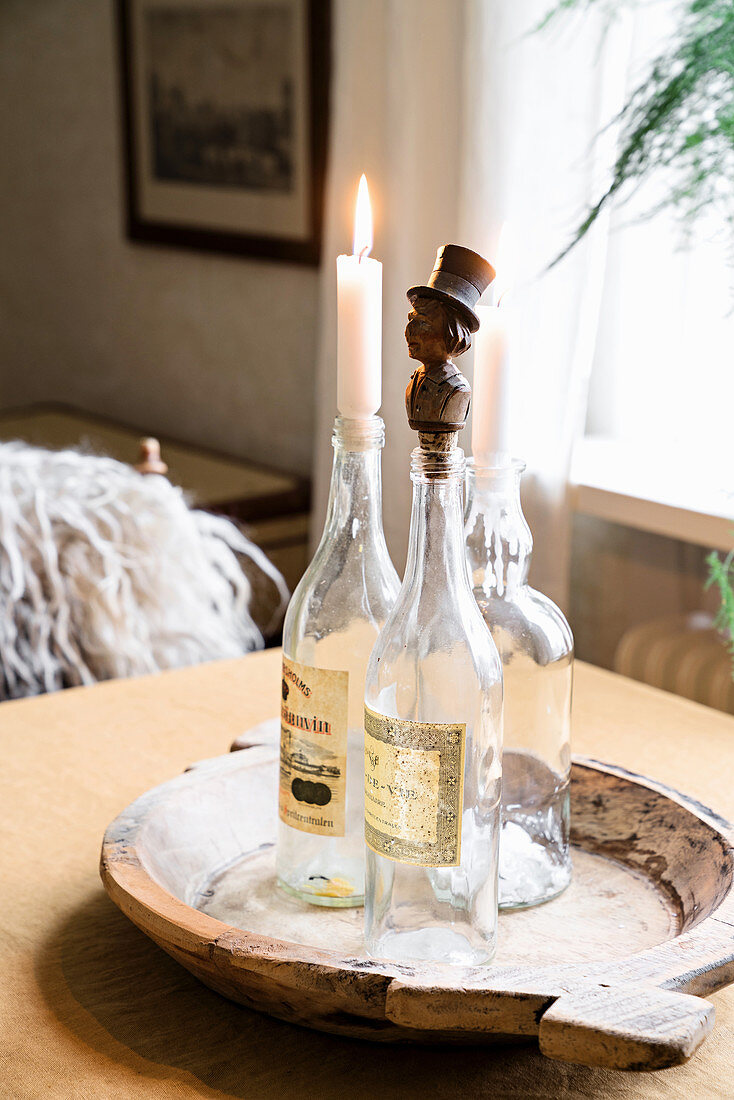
[[363, 221], [505, 263]]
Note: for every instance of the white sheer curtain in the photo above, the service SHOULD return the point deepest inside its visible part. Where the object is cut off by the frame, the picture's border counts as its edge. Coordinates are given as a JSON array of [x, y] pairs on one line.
[[663, 383], [396, 115], [462, 119]]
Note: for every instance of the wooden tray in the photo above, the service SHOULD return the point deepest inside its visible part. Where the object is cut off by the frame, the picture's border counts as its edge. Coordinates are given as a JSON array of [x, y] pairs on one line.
[[603, 975]]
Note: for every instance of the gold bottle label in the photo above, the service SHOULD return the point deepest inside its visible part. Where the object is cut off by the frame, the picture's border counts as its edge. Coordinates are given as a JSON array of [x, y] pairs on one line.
[[313, 749], [413, 789]]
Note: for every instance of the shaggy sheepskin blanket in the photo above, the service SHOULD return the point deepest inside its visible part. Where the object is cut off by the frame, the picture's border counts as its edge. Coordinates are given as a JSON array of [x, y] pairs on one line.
[[105, 572]]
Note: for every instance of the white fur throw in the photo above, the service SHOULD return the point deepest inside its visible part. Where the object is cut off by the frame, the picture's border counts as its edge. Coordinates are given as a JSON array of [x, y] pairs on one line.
[[105, 572]]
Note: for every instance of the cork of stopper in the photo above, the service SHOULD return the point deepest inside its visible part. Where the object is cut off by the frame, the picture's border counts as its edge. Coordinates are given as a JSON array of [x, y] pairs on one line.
[[437, 442]]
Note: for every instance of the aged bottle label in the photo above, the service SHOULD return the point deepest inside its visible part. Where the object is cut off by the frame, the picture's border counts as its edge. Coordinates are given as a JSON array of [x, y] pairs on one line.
[[313, 749], [413, 789]]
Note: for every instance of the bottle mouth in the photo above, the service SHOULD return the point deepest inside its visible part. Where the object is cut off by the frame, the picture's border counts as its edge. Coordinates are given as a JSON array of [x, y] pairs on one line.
[[497, 462], [358, 435], [437, 465]]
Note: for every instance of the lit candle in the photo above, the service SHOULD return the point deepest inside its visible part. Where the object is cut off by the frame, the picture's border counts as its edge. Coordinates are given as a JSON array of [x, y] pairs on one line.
[[489, 391], [359, 320]]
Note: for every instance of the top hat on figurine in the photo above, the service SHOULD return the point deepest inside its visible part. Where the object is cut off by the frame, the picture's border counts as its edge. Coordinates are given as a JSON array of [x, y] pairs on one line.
[[459, 277]]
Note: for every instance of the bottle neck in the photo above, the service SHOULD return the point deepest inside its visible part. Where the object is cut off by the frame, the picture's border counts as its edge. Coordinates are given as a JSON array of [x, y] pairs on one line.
[[436, 554], [499, 544], [355, 494]]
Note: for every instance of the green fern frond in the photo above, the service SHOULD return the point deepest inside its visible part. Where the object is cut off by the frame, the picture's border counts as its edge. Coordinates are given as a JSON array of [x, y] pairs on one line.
[[721, 574], [681, 118]]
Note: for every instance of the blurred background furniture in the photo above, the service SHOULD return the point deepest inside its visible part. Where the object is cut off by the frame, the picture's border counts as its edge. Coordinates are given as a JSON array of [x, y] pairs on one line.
[[684, 654], [272, 507], [106, 571]]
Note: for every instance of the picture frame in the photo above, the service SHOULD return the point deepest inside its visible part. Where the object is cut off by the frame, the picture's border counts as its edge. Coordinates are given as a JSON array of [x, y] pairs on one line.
[[225, 120]]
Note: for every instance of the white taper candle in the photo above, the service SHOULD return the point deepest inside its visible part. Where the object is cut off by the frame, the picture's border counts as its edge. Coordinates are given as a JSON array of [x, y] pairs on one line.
[[488, 390], [359, 321]]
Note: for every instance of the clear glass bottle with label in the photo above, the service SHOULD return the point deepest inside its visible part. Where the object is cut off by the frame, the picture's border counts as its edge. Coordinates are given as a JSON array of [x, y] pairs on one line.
[[333, 619], [536, 648], [433, 715]]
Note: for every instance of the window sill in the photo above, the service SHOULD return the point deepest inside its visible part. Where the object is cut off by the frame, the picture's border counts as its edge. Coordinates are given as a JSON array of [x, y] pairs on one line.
[[652, 492]]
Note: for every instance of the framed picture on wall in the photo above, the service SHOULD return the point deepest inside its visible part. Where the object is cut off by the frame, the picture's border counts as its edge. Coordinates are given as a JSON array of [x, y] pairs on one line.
[[225, 120]]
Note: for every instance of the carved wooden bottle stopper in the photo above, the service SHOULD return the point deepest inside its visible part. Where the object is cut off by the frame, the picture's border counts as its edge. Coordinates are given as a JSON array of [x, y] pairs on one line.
[[440, 324]]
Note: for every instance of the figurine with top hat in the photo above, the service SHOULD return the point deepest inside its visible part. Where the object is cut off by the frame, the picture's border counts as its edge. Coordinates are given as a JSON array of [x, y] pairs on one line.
[[433, 692], [440, 325]]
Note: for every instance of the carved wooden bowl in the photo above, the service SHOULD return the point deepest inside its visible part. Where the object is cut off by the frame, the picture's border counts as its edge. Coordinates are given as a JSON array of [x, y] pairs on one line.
[[602, 975]]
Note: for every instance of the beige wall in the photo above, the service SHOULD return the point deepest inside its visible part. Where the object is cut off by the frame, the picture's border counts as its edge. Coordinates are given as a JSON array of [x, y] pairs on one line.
[[219, 351]]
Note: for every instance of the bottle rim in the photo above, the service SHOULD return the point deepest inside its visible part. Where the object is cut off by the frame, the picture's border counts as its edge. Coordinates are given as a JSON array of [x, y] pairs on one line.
[[358, 435], [496, 463], [428, 466]]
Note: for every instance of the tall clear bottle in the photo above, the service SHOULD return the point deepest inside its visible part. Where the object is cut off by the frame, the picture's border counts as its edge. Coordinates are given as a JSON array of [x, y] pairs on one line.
[[333, 619], [433, 694], [433, 713], [536, 648]]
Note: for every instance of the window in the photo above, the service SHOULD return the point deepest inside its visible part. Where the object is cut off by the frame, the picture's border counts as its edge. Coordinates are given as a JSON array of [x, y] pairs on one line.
[[660, 420]]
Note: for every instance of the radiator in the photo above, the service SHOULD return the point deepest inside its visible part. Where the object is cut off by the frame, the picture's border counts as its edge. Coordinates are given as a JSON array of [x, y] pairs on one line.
[[682, 654]]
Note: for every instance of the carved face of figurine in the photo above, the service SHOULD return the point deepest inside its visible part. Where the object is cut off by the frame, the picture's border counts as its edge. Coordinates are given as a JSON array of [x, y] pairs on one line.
[[434, 332]]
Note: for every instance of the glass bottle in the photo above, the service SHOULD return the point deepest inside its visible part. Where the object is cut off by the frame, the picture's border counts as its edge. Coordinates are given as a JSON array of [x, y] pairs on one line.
[[333, 619], [433, 695], [536, 648]]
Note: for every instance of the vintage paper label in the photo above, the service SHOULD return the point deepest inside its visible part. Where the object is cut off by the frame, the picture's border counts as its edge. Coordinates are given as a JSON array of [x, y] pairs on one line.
[[313, 749], [414, 789]]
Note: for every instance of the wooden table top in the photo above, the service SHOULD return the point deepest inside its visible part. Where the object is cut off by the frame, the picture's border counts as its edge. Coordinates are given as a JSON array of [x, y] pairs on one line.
[[90, 1008]]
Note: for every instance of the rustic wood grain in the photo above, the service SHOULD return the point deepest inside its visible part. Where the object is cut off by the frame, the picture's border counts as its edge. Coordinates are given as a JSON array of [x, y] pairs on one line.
[[625, 1029], [169, 859]]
